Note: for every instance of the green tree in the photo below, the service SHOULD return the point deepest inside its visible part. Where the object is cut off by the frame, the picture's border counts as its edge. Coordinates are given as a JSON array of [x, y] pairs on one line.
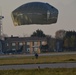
[[70, 40], [38, 33]]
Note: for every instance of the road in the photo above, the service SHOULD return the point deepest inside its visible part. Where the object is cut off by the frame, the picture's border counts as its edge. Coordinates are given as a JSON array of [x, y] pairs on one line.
[[35, 66], [42, 54]]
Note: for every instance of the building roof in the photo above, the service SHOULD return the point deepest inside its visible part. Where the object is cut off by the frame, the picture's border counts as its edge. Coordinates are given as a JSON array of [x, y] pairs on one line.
[[25, 39]]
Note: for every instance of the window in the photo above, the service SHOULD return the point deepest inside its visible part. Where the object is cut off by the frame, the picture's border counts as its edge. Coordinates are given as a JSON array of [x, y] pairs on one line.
[[13, 47], [13, 44], [28, 43], [28, 49], [35, 43], [35, 49], [20, 43]]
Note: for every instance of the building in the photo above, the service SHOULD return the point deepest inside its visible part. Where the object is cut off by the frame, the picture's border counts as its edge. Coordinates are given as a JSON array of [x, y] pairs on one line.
[[59, 45], [22, 44], [1, 46]]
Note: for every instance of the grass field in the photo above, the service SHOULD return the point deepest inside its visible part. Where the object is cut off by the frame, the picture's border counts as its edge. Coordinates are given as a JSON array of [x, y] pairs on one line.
[[41, 59], [47, 71]]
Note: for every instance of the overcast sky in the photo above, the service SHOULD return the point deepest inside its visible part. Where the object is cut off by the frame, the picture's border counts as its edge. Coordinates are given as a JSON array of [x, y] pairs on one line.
[[66, 17]]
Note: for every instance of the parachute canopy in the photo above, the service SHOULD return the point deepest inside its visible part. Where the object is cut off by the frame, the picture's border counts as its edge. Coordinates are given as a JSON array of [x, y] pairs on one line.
[[35, 13]]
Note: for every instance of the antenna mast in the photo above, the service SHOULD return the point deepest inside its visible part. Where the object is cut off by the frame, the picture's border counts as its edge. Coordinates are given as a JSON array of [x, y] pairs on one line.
[[1, 17]]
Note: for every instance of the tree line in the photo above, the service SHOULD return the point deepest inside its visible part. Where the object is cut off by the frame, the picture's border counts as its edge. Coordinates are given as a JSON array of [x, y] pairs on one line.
[[69, 40]]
